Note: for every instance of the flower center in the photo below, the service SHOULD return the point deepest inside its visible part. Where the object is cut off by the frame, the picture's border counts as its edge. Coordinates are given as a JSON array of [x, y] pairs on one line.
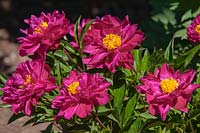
[[197, 29], [72, 88], [28, 80], [168, 85], [38, 29], [112, 41]]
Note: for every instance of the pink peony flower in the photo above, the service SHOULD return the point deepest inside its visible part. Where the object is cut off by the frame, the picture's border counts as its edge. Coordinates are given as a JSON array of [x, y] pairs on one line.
[[45, 33], [109, 43], [167, 88], [193, 30], [80, 92], [25, 87]]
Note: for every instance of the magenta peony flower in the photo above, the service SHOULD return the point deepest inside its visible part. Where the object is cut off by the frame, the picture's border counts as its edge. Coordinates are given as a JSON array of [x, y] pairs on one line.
[[193, 30], [167, 88], [109, 43], [80, 92], [44, 33], [24, 88]]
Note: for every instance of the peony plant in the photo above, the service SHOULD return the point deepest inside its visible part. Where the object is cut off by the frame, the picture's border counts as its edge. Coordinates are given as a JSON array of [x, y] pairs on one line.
[[95, 76]]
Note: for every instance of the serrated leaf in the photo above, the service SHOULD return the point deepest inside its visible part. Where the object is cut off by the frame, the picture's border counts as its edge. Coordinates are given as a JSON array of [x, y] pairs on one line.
[[180, 34], [194, 114]]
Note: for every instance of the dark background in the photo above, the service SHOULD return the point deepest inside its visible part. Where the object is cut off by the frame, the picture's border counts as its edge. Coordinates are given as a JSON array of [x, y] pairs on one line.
[[13, 12]]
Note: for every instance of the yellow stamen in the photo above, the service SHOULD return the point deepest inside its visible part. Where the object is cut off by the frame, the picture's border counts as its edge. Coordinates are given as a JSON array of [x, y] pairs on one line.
[[72, 88], [168, 85], [112, 41], [197, 29], [28, 80], [38, 29]]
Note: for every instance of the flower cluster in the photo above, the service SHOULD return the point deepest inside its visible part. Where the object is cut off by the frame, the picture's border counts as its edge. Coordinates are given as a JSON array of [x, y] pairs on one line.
[[107, 44]]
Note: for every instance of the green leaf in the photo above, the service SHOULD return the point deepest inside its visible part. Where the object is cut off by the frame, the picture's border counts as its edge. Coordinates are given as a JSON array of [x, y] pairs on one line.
[[187, 15], [3, 78], [76, 34], [146, 115], [84, 30], [180, 34], [69, 47], [186, 58], [130, 108], [137, 60], [58, 72], [5, 105], [119, 97], [136, 126], [194, 114], [15, 117], [145, 61], [169, 50], [49, 129]]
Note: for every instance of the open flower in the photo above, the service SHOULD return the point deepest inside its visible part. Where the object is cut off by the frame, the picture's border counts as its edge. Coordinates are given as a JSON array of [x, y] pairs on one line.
[[109, 43], [167, 88], [44, 33], [80, 92], [29, 82], [193, 30]]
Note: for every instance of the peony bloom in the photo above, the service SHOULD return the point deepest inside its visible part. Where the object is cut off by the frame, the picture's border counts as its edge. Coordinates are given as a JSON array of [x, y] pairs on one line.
[[109, 43], [167, 88], [25, 87], [193, 30], [45, 33], [80, 92]]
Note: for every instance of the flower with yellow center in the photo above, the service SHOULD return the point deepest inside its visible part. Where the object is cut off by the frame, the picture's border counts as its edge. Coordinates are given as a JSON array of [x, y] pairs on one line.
[[197, 29], [168, 85], [27, 81], [72, 88], [38, 29], [112, 41]]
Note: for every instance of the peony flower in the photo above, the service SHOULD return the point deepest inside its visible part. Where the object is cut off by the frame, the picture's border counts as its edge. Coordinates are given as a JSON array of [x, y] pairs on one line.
[[80, 92], [109, 43], [25, 87], [167, 88], [193, 30], [44, 33]]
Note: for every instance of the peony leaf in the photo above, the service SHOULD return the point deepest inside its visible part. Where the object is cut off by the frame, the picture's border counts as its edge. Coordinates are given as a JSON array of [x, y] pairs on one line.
[[3, 78], [76, 36], [145, 61], [84, 30], [130, 108], [15, 117], [136, 126]]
